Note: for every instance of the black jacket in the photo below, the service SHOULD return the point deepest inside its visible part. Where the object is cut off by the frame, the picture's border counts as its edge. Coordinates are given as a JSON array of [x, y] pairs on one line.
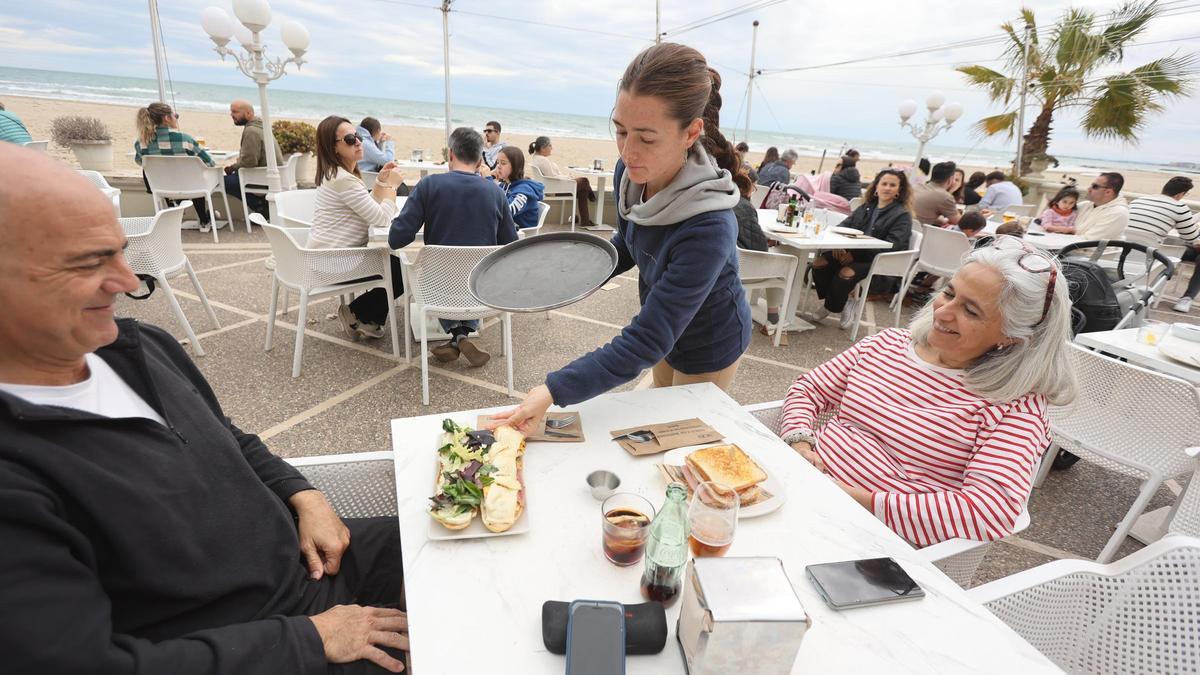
[[894, 224], [133, 547], [750, 234], [846, 183]]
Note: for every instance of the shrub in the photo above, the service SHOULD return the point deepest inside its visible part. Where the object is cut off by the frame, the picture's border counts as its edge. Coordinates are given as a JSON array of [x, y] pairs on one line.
[[294, 136], [76, 129]]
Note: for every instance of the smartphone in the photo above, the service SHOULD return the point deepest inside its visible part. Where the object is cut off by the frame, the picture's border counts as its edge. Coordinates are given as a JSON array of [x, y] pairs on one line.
[[595, 638], [861, 583]]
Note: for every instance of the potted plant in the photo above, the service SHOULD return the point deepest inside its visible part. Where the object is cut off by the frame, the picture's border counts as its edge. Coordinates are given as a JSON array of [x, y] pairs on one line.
[[87, 137], [300, 137]]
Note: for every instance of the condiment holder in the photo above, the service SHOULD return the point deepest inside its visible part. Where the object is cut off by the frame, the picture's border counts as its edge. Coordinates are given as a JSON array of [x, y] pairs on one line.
[[603, 484]]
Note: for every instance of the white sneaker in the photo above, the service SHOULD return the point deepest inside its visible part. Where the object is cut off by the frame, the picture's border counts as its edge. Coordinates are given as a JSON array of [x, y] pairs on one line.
[[369, 330], [818, 315], [848, 313], [269, 263], [205, 228], [1184, 305]]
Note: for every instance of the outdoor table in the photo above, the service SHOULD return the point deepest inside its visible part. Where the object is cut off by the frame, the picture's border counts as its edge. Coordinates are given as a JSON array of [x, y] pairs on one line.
[[474, 605], [1036, 236], [425, 167], [805, 247], [601, 177], [218, 156]]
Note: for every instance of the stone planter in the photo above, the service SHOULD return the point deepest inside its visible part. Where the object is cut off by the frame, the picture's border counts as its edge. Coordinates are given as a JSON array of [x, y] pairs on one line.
[[93, 155]]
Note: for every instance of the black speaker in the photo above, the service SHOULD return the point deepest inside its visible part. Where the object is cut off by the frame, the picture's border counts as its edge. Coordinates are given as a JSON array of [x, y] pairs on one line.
[[645, 627]]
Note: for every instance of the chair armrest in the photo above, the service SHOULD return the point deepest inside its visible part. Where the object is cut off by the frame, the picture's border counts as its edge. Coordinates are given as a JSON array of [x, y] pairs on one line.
[[136, 226], [359, 485], [256, 175], [328, 266]]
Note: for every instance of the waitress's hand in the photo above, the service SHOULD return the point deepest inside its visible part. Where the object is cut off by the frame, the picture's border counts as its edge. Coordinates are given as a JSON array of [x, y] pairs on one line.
[[526, 417]]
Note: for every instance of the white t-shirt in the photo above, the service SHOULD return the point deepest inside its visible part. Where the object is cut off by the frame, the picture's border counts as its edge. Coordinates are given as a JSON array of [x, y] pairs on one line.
[[103, 393]]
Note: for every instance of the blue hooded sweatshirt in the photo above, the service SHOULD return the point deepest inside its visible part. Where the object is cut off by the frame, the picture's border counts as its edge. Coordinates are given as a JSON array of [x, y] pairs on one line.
[[523, 197], [694, 311]]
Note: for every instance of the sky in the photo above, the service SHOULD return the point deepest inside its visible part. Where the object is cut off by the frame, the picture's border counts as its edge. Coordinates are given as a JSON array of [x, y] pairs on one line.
[[556, 56]]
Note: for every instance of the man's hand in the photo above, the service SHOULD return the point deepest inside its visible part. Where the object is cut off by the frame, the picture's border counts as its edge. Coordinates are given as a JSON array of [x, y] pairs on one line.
[[230, 169], [323, 536], [806, 451], [350, 632]]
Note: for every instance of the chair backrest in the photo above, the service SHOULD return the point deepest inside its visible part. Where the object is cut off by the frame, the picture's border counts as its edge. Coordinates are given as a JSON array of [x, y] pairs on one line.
[[95, 178], [894, 264], [167, 173], [759, 266], [1187, 514], [1130, 412], [553, 185], [297, 205], [38, 145], [287, 172], [369, 178], [160, 247], [438, 277], [543, 209], [943, 249], [760, 193], [289, 259], [855, 203]]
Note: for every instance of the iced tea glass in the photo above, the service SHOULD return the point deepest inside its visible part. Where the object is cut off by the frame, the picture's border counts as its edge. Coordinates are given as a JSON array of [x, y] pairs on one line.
[[712, 518], [625, 520]]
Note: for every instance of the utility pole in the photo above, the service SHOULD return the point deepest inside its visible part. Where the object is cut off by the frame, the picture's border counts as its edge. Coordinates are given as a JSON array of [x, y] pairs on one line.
[[156, 37], [1021, 110], [657, 22], [750, 82], [446, 61]]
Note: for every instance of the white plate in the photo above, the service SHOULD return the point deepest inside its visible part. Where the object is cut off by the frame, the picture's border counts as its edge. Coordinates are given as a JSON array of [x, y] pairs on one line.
[[771, 484], [1178, 349], [783, 229], [476, 530], [848, 231]]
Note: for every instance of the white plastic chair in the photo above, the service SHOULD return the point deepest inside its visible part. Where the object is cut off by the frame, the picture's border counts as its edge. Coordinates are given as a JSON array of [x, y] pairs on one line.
[[258, 176], [321, 273], [760, 194], [1130, 420], [295, 208], [1186, 519], [1137, 615], [97, 179], [437, 282], [760, 270], [186, 178], [357, 485], [37, 145], [556, 189], [941, 254], [156, 249], [894, 264], [957, 558], [524, 232], [855, 203]]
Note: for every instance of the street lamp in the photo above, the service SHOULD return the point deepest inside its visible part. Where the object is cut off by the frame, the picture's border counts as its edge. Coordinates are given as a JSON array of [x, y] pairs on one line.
[[254, 17], [941, 116]]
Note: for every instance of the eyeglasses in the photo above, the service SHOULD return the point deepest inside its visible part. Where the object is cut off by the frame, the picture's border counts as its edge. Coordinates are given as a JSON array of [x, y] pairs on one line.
[[490, 131], [1033, 261], [350, 139], [1097, 186]]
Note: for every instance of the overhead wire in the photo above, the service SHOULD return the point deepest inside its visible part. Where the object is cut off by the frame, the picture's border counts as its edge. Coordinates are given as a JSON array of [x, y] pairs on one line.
[[722, 16]]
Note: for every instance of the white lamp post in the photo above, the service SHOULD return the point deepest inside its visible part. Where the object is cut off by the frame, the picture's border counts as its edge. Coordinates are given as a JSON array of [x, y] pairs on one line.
[[941, 116], [255, 16]]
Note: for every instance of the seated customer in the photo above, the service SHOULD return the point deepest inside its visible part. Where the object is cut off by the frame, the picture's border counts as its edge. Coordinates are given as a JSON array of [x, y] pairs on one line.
[[1152, 218], [971, 189], [743, 149], [539, 157], [457, 208], [378, 147], [972, 224], [938, 429], [846, 181], [12, 129], [158, 134], [884, 215], [143, 531], [523, 194], [779, 171], [1061, 211], [252, 153], [345, 212], [751, 238], [932, 203], [1001, 194]]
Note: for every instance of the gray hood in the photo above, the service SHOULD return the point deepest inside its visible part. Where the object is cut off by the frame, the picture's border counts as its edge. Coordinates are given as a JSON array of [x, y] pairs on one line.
[[699, 187]]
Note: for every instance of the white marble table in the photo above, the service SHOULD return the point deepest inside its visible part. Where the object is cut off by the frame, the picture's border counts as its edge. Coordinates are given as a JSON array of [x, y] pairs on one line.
[[475, 605], [424, 167], [1036, 236], [600, 177], [805, 247], [1123, 343]]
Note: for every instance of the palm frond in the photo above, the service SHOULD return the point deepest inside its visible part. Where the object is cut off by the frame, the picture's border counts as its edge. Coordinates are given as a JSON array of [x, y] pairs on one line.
[[1119, 109], [1126, 23], [1014, 53], [1074, 46], [1004, 123], [1170, 76], [998, 85]]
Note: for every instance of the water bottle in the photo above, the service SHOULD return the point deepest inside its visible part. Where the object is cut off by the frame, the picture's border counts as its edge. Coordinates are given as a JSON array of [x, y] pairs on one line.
[[667, 548]]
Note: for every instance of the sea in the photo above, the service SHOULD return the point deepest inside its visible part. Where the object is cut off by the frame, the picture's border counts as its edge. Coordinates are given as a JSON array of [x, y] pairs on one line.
[[308, 105]]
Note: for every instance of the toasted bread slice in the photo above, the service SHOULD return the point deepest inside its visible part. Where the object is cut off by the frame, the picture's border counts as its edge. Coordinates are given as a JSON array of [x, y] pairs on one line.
[[454, 522], [728, 465]]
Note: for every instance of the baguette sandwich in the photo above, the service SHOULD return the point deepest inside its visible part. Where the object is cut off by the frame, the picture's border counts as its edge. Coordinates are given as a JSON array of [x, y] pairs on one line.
[[504, 498], [479, 472]]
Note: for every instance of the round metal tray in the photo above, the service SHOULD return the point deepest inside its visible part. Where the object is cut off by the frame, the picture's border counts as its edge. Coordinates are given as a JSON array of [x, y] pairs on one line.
[[543, 272]]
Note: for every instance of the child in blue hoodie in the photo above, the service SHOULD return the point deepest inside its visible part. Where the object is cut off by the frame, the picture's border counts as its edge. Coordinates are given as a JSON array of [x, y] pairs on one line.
[[677, 184], [522, 193]]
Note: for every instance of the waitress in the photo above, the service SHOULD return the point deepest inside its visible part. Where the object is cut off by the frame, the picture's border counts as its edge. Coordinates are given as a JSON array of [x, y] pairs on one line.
[[677, 183]]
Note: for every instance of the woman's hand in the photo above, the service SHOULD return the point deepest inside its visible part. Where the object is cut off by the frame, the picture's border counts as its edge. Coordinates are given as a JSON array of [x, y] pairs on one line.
[[806, 451], [842, 255], [526, 417]]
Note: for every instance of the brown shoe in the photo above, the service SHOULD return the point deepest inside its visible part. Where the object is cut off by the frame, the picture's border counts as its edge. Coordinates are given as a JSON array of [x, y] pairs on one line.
[[476, 356], [445, 353]]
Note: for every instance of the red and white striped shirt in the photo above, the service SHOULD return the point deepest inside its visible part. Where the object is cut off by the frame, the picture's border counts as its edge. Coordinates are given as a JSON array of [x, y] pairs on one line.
[[941, 461]]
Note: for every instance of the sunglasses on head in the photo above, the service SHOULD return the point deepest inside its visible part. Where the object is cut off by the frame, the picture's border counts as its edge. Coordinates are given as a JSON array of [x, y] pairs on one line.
[[1032, 261], [350, 139]]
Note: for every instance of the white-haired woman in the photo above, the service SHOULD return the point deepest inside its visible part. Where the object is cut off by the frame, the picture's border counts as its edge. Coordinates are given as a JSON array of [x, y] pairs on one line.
[[938, 429]]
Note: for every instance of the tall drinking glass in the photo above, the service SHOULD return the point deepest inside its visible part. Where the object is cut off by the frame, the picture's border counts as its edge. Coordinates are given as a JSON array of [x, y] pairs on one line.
[[713, 519], [625, 519]]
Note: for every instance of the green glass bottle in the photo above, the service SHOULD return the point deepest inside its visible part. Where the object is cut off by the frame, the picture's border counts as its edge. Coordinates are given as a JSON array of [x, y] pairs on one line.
[[667, 548]]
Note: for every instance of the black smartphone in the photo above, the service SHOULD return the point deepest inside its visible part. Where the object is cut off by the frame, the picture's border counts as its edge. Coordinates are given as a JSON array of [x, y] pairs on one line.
[[861, 583], [595, 638]]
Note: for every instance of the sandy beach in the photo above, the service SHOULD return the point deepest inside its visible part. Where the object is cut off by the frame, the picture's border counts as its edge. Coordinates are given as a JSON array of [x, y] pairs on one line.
[[220, 133]]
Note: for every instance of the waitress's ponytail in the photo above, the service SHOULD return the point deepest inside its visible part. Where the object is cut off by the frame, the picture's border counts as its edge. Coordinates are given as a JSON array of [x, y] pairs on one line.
[[715, 143]]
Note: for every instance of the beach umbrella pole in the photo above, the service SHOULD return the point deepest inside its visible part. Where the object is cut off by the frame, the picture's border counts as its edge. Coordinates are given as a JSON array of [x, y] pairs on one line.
[[446, 62], [156, 38], [750, 82]]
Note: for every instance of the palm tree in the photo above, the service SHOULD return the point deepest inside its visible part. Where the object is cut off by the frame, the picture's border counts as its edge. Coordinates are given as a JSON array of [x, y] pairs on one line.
[[1064, 73]]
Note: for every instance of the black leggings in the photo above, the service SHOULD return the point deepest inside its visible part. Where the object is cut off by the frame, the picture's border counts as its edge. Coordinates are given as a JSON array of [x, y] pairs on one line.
[[1193, 287], [831, 287], [372, 306]]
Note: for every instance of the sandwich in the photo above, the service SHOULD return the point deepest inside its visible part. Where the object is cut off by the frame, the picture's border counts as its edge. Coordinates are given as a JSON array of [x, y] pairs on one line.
[[504, 497], [479, 472], [728, 465]]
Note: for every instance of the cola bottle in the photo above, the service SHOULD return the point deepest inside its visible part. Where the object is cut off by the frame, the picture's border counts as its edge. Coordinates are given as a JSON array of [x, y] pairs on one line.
[[667, 548]]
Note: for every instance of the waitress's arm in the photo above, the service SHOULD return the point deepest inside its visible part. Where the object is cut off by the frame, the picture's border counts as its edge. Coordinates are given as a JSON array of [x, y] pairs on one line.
[[625, 261]]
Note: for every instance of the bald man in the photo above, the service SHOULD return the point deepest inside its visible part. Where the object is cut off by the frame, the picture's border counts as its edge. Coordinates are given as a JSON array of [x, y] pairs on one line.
[[140, 530], [251, 154]]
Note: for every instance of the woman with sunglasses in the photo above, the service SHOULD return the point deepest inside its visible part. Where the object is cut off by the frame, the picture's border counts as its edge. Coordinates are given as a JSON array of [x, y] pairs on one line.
[[938, 429], [676, 184], [884, 214], [345, 212]]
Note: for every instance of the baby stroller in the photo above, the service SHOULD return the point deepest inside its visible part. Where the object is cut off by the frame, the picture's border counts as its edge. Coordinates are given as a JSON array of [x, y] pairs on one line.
[[1112, 283]]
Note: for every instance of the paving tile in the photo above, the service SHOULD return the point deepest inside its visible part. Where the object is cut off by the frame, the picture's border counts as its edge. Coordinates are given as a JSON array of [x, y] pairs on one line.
[[1004, 559], [247, 287], [156, 310], [205, 260]]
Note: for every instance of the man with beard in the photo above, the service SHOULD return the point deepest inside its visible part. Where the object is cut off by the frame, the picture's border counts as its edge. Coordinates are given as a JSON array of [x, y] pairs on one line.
[[251, 154]]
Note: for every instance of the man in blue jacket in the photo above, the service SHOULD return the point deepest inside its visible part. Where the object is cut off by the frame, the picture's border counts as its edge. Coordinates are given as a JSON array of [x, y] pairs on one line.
[[457, 208], [142, 531]]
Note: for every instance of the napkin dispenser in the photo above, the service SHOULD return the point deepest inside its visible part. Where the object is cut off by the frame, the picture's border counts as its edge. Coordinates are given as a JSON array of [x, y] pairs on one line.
[[739, 615]]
